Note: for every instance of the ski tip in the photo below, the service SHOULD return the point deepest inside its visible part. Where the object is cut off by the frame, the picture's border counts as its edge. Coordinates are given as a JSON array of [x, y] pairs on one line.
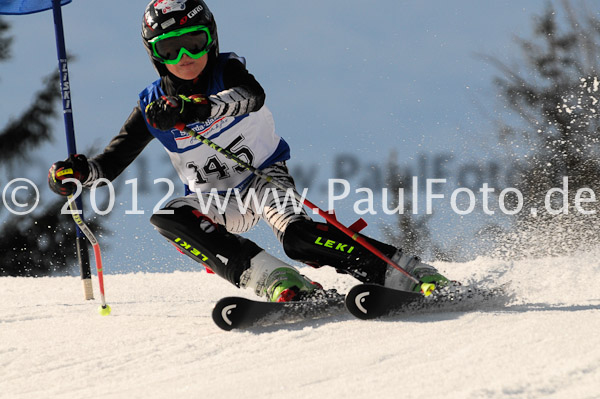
[[226, 313], [359, 302], [427, 288]]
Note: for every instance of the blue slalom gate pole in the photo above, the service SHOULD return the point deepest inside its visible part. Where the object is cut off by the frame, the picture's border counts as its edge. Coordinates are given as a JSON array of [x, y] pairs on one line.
[[65, 87]]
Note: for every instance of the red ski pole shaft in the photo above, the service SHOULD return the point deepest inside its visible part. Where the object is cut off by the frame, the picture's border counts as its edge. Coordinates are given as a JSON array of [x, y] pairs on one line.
[[359, 239], [95, 245]]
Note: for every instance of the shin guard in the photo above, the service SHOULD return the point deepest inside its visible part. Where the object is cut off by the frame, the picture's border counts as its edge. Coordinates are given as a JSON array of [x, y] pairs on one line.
[[320, 244], [226, 254]]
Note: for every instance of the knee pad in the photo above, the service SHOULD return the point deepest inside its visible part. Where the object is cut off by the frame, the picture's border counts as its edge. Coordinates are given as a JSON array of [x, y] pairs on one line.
[[320, 244], [198, 237]]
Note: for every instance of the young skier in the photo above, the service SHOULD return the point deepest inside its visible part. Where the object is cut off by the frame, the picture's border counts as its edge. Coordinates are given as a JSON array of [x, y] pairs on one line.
[[214, 94]]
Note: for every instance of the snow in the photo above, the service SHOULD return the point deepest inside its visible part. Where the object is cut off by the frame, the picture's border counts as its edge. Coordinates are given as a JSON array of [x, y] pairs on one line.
[[542, 341]]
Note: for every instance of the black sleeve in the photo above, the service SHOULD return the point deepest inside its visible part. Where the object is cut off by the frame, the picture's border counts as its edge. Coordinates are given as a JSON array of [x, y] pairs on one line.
[[123, 148], [235, 74], [242, 94]]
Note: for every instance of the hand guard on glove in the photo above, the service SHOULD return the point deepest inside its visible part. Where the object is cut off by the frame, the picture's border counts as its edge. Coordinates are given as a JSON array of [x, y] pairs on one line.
[[168, 111], [75, 167]]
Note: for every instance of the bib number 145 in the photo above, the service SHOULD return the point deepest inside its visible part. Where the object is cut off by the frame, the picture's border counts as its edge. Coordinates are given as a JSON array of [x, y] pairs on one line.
[[214, 166]]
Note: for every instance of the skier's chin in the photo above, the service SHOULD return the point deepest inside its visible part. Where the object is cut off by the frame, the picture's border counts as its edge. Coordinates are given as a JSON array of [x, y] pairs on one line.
[[188, 68], [187, 73]]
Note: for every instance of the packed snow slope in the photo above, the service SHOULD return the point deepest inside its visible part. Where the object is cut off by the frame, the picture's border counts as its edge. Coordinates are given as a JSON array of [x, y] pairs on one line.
[[540, 341]]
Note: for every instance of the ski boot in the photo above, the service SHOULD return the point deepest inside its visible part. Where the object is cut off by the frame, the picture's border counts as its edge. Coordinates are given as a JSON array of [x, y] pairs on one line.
[[412, 264], [286, 284], [278, 281]]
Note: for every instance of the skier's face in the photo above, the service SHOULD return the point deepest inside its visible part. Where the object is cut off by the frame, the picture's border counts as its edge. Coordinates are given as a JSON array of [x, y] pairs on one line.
[[188, 68]]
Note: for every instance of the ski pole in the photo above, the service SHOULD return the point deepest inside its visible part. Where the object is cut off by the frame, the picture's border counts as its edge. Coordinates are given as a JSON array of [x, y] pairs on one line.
[[104, 309], [426, 288], [65, 87]]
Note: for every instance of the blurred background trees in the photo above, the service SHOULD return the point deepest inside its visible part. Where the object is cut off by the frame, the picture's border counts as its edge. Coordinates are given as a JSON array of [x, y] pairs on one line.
[[548, 127], [40, 243]]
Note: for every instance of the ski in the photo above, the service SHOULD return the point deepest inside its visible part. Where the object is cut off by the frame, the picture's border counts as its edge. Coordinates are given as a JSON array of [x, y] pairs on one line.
[[239, 313], [370, 301]]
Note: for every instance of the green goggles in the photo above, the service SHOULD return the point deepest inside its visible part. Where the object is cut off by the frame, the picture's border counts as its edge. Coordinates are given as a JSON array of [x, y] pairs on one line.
[[194, 41]]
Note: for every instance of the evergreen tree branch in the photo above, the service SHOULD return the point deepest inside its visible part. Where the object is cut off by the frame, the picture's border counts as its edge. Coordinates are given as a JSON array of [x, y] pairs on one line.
[[32, 128]]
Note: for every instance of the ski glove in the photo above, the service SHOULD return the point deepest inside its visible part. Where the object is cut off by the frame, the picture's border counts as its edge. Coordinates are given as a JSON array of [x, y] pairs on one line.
[[75, 167], [167, 111]]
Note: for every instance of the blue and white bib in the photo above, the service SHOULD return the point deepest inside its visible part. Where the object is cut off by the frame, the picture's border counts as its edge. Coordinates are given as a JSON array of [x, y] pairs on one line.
[[251, 137]]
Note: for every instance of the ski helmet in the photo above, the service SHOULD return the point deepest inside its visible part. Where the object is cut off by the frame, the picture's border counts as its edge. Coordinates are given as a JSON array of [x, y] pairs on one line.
[[164, 16]]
